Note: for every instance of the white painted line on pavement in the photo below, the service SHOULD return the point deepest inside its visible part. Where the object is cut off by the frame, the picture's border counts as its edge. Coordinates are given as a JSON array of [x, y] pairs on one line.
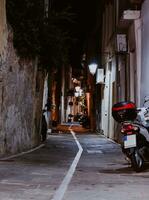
[[40, 174], [7, 182], [94, 151], [22, 153], [64, 185]]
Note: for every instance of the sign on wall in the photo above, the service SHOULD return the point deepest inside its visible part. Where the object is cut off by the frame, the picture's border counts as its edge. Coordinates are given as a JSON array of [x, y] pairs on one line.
[[100, 76], [121, 43]]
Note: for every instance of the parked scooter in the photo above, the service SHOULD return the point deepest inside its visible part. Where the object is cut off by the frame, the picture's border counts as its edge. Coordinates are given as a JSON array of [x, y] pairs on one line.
[[135, 132], [84, 121]]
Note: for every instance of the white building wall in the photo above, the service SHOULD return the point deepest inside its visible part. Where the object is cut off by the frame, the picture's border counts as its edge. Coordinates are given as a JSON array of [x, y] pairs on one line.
[[108, 61], [145, 51], [45, 93], [138, 33]]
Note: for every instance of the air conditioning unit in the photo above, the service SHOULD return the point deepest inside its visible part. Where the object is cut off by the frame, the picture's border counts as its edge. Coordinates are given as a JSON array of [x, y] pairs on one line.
[[131, 14]]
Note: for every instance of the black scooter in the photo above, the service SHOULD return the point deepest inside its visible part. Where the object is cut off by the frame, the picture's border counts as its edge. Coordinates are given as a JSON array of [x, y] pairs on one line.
[[135, 133]]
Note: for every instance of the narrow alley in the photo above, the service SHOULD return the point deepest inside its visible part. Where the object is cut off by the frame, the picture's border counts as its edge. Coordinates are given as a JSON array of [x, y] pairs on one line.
[[100, 173], [74, 100]]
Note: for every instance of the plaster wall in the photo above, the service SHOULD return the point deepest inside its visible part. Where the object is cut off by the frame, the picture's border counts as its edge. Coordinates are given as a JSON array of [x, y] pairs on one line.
[[145, 51]]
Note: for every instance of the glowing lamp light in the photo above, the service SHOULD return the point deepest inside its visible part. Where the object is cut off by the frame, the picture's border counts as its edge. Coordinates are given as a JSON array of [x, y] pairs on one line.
[[76, 94], [77, 88], [92, 68]]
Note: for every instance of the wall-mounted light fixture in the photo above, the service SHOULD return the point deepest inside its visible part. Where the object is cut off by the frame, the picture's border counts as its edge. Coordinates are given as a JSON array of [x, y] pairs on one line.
[[92, 68], [77, 88], [76, 94], [79, 91]]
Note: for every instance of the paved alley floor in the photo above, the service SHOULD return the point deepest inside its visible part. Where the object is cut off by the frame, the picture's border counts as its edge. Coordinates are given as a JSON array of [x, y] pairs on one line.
[[56, 171]]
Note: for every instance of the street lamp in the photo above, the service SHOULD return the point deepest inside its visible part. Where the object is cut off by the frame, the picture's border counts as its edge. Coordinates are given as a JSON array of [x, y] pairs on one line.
[[78, 92], [77, 88], [91, 100], [92, 68]]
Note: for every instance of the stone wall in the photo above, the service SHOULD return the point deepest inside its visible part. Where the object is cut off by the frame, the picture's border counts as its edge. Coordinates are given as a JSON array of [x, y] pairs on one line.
[[3, 27], [21, 91], [21, 103]]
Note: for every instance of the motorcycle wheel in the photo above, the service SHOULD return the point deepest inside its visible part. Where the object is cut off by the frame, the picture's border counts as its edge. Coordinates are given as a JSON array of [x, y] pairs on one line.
[[137, 161]]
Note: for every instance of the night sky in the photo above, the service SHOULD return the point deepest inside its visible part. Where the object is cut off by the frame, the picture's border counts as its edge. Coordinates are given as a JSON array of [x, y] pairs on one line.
[[85, 19]]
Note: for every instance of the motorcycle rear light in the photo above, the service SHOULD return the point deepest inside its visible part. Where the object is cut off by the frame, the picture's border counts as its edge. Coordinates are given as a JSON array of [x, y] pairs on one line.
[[129, 129]]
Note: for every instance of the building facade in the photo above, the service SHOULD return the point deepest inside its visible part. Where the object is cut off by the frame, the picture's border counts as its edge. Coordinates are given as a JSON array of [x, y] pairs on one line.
[[121, 58]]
